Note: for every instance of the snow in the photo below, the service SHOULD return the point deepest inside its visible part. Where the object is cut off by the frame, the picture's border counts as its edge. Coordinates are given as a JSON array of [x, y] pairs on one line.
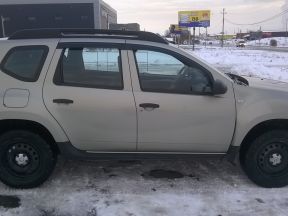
[[281, 42], [254, 63], [210, 187], [122, 188]]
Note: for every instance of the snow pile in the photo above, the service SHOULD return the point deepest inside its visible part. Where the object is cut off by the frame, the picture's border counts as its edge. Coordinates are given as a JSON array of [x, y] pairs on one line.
[[281, 42], [254, 63]]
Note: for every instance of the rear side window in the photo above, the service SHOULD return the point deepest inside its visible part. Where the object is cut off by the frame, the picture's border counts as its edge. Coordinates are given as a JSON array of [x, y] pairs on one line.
[[91, 67], [25, 63]]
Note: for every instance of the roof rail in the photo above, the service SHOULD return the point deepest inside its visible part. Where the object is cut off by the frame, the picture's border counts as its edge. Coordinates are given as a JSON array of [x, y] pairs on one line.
[[91, 33]]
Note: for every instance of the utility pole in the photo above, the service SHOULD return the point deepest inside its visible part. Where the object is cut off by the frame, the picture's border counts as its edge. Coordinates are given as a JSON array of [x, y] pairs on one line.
[[189, 36], [206, 37], [3, 26], [286, 30], [107, 18], [194, 30], [223, 28]]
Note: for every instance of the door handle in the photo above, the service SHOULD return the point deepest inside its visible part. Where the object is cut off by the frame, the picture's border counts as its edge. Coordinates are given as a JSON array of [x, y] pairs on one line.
[[63, 101], [149, 105]]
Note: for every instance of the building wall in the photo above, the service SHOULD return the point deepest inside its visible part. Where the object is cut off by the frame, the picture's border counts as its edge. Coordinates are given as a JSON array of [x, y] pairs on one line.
[[285, 16], [30, 14], [108, 15], [46, 16]]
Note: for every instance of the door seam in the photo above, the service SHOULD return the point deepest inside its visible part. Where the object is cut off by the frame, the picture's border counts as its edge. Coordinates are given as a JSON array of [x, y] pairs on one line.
[[42, 89], [131, 80]]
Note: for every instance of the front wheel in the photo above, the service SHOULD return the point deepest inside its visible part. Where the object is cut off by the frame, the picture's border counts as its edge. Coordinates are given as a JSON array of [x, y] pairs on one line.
[[26, 159], [266, 160]]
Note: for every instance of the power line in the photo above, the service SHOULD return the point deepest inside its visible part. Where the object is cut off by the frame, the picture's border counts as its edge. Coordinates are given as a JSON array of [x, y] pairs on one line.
[[256, 23]]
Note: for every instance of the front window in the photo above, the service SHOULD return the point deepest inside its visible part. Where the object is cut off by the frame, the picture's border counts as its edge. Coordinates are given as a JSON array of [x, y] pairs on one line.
[[161, 72]]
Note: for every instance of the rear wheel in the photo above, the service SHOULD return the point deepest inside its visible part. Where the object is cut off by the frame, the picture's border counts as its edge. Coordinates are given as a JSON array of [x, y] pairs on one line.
[[266, 160], [26, 159]]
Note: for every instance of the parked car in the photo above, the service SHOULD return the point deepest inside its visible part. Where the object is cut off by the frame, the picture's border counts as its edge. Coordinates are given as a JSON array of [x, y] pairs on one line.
[[103, 94], [241, 44]]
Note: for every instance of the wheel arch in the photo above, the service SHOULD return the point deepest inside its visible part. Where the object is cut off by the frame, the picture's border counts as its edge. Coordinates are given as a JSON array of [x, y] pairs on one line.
[[259, 129], [29, 125]]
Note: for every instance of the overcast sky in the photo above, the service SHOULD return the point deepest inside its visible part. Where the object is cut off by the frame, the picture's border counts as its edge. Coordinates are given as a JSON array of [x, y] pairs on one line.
[[157, 15]]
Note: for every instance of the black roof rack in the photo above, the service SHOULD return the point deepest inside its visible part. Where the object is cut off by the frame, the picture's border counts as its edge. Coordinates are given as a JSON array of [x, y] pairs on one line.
[[90, 33]]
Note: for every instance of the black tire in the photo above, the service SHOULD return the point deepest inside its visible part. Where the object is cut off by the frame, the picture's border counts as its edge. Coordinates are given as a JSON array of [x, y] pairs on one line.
[[26, 159], [266, 160]]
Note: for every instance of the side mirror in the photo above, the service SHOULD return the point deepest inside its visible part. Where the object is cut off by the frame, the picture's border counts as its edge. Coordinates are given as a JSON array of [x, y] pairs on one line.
[[219, 88]]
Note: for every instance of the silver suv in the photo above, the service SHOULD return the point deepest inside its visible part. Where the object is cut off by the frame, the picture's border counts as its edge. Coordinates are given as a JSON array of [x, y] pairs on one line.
[[96, 94]]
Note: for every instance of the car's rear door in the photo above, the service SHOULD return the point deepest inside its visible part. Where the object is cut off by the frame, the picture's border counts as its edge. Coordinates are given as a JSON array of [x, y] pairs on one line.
[[88, 91]]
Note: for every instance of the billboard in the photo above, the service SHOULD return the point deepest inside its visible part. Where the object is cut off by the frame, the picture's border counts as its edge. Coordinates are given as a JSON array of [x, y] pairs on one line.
[[194, 18], [176, 29]]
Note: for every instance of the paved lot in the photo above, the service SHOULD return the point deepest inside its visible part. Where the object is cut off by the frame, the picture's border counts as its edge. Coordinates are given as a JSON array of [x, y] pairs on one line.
[[129, 188]]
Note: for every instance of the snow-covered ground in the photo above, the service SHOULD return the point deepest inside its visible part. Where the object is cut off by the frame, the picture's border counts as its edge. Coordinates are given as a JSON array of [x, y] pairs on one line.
[[281, 42], [128, 188], [257, 63], [125, 188]]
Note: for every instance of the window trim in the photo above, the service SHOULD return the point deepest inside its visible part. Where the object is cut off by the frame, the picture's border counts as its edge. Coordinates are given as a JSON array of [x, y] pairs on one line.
[[58, 75], [180, 58], [39, 68]]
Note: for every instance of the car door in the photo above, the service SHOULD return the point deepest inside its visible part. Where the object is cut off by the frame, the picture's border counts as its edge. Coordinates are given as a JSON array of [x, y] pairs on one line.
[[90, 96], [176, 111]]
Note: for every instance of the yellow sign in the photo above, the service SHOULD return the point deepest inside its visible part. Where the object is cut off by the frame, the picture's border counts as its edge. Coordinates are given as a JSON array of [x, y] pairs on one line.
[[194, 18]]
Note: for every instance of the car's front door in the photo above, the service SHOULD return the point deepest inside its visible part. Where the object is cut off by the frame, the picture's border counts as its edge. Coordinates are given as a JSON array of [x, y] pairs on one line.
[[176, 111], [91, 97]]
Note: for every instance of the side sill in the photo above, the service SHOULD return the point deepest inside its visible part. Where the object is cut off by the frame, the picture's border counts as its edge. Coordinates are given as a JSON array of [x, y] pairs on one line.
[[68, 151]]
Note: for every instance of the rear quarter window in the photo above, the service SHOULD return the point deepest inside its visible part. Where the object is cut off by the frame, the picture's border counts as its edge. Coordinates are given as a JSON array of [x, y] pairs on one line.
[[25, 63]]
